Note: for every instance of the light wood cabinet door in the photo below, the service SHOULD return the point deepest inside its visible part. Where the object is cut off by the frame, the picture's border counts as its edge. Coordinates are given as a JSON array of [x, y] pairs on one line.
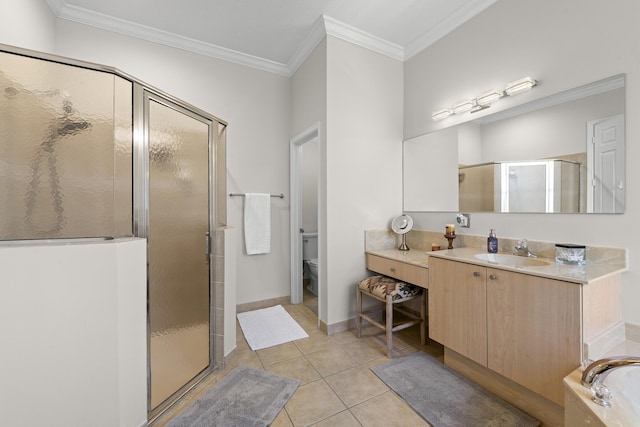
[[458, 307], [409, 273], [533, 330]]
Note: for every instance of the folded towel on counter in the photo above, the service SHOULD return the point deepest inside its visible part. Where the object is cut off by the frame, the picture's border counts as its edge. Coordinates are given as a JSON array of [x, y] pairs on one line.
[[257, 223]]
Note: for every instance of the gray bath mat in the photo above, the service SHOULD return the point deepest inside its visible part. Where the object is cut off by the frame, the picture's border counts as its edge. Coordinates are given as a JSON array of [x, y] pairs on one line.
[[444, 398], [245, 397]]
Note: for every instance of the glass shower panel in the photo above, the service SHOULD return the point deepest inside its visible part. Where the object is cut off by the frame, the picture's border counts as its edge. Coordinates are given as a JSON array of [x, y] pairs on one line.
[[526, 187], [65, 138], [122, 157], [178, 263]]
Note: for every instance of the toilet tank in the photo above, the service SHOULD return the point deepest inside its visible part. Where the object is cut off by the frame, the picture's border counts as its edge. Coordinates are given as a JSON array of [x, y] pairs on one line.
[[309, 246]]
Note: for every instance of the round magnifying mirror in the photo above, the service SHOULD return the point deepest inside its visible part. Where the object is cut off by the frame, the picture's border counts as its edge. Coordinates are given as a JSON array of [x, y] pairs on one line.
[[401, 225]]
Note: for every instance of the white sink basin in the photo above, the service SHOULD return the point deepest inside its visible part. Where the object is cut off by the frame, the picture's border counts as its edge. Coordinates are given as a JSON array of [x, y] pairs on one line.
[[512, 260]]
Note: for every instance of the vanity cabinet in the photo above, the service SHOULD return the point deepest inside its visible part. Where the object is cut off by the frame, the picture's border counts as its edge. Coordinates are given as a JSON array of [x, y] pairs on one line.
[[400, 270], [523, 327], [457, 307]]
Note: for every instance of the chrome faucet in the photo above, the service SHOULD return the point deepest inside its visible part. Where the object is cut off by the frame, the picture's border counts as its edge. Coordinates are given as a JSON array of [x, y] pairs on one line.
[[594, 375], [522, 249]]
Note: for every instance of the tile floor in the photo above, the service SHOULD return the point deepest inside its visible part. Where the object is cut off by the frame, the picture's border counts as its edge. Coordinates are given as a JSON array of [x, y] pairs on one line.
[[336, 386]]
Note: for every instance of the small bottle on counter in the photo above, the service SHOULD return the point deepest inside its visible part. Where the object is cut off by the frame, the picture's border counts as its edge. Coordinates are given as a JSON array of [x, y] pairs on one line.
[[492, 242]]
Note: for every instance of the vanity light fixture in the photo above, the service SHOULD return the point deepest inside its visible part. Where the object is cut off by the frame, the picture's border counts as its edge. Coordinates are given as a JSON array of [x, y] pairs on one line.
[[489, 97], [441, 114], [485, 99], [479, 107], [463, 106], [520, 86]]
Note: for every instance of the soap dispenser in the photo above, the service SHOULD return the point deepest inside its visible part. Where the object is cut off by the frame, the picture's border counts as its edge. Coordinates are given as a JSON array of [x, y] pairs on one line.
[[492, 242]]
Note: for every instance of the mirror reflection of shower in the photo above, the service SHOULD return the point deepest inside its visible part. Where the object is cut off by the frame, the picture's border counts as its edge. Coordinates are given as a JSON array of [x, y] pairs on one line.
[[310, 161]]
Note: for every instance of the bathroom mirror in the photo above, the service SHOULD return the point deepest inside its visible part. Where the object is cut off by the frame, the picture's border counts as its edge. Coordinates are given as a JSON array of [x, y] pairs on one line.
[[561, 154]]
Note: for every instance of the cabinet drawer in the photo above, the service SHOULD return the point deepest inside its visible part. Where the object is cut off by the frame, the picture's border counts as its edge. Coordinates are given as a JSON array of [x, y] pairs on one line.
[[399, 270]]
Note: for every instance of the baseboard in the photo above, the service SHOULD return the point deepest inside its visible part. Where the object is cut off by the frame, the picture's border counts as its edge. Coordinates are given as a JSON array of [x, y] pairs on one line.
[[335, 328], [229, 357], [632, 332], [257, 305]]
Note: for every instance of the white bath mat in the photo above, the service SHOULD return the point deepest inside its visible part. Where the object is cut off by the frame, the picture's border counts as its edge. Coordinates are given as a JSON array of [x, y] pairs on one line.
[[269, 326]]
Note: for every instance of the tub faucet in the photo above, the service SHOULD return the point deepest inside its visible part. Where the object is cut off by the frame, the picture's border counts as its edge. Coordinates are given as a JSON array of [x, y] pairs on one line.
[[594, 375], [522, 249]]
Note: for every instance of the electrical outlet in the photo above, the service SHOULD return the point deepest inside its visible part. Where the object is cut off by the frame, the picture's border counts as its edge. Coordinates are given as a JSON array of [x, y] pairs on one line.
[[464, 219]]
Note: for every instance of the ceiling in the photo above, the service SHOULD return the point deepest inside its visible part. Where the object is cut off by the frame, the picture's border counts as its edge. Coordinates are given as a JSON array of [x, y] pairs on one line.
[[276, 35]]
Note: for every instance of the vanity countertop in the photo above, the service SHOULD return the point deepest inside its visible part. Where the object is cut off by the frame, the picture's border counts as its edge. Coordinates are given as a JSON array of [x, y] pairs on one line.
[[582, 274], [412, 256]]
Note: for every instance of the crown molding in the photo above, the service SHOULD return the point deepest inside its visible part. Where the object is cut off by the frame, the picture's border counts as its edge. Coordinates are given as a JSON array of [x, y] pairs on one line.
[[56, 6], [84, 16], [361, 38], [313, 39], [459, 17], [324, 26]]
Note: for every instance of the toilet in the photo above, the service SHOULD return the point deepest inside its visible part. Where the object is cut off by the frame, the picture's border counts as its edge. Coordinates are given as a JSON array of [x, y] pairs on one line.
[[310, 257]]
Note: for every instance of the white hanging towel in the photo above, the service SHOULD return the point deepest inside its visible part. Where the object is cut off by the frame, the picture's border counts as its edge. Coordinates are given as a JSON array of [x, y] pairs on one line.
[[257, 223]]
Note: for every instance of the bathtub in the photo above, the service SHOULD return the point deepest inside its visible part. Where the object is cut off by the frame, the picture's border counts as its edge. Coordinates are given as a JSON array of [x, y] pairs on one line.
[[624, 384]]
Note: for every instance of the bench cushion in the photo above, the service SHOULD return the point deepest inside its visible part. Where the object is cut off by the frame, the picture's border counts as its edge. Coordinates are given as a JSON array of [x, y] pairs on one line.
[[381, 286]]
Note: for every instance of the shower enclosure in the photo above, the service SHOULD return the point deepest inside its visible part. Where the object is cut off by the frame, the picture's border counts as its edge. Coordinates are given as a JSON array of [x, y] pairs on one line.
[[551, 185], [89, 152]]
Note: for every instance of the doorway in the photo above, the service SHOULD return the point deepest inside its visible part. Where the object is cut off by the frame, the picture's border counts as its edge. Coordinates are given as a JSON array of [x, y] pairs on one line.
[[310, 263], [173, 213], [309, 138]]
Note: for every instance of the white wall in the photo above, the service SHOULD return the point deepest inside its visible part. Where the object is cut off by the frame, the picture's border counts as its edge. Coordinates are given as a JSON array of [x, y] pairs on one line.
[[29, 24], [363, 163], [309, 106], [256, 106], [356, 95], [564, 45], [309, 91], [73, 327]]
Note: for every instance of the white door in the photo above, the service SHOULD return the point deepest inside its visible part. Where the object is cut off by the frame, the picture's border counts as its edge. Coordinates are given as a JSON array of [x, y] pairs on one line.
[[606, 137]]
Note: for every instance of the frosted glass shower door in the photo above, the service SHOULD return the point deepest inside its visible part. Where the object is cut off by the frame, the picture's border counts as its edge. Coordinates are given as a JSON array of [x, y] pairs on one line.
[[178, 222]]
